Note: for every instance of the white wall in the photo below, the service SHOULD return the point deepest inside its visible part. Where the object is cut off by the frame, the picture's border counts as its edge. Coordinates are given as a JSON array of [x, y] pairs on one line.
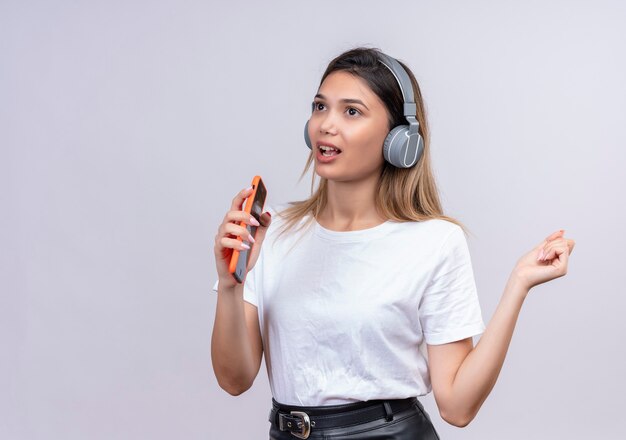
[[127, 127]]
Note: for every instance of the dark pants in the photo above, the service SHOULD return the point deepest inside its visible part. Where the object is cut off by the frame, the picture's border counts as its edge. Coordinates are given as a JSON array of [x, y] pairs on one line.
[[412, 423]]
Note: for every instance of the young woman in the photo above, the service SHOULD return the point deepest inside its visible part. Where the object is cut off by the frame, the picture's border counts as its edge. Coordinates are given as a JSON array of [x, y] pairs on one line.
[[362, 297]]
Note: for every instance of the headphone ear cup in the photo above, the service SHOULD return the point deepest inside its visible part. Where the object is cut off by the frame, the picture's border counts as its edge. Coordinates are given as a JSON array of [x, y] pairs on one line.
[[307, 139], [396, 145], [392, 148]]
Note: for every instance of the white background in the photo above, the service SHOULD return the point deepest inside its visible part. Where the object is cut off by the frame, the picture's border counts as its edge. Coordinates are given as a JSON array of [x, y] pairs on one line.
[[126, 127]]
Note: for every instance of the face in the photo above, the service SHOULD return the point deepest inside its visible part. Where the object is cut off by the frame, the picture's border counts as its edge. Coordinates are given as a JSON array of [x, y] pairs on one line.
[[348, 116]]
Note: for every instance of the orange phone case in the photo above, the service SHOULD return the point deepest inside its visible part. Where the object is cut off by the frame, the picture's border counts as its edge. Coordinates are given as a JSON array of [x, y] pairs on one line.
[[248, 209]]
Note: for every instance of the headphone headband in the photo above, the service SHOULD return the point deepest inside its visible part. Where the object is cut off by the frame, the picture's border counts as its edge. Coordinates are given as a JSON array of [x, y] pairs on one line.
[[410, 109]]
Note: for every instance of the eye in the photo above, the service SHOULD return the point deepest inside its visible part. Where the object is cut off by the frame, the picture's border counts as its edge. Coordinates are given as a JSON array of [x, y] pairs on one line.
[[352, 110], [315, 105]]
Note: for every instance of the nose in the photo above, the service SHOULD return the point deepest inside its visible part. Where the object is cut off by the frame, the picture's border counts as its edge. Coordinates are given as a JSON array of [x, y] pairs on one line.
[[328, 123]]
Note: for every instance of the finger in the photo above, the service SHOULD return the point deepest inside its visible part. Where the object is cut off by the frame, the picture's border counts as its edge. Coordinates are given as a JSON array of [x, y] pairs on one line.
[[233, 243], [555, 235], [545, 250], [540, 248], [240, 216], [266, 219], [554, 250], [238, 231], [557, 257], [571, 244], [237, 203], [562, 259], [563, 242]]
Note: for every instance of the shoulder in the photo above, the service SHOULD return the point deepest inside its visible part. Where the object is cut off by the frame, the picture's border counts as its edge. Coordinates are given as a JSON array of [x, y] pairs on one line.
[[436, 228], [451, 235], [280, 227], [276, 210], [437, 237]]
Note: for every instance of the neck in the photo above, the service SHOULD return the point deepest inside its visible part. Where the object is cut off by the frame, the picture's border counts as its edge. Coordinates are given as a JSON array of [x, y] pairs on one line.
[[351, 205]]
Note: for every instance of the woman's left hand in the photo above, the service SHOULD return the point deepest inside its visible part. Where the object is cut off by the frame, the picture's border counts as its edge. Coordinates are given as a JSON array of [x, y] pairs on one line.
[[547, 261]]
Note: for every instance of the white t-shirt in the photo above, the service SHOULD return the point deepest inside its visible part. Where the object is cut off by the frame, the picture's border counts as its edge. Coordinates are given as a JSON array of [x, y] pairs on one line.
[[345, 316]]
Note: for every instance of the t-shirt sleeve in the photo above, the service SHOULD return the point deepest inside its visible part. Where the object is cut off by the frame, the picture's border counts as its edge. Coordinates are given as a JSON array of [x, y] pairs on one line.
[[449, 309], [249, 290]]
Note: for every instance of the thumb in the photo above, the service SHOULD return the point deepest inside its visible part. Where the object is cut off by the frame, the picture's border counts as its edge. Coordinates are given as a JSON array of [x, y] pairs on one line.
[[266, 220]]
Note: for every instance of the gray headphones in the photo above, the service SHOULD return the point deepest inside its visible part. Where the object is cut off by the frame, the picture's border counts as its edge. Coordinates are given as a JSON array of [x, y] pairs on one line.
[[403, 145]]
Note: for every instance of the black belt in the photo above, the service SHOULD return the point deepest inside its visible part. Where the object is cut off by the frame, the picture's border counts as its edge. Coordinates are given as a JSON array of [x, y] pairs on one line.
[[300, 420]]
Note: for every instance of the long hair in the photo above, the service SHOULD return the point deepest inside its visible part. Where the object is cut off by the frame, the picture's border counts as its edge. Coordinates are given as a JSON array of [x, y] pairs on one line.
[[404, 194]]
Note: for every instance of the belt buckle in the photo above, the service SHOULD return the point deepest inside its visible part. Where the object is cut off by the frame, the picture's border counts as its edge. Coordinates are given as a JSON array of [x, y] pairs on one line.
[[304, 425]]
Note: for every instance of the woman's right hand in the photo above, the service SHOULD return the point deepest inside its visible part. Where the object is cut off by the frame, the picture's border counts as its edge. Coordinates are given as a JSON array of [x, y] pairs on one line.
[[226, 238]]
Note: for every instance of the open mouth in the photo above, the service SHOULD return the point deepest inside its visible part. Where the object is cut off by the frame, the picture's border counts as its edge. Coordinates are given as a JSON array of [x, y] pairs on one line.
[[329, 151]]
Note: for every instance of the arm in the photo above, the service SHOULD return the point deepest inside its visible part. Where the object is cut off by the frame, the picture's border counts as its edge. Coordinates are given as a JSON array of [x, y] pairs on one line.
[[236, 346], [463, 376]]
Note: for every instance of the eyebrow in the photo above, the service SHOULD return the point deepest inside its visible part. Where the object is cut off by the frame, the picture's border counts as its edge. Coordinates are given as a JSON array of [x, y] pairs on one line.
[[345, 100]]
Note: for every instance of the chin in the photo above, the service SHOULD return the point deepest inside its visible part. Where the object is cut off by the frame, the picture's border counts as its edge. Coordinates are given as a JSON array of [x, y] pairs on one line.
[[333, 174], [337, 176]]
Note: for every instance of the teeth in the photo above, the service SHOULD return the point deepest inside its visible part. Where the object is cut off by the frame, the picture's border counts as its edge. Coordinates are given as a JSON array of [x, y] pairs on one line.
[[325, 148]]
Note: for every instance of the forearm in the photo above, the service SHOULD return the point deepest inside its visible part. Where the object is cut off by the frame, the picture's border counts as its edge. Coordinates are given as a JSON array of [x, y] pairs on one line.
[[479, 371], [231, 349]]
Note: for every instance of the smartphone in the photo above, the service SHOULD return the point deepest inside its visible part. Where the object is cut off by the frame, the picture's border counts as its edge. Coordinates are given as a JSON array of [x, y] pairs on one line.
[[254, 205]]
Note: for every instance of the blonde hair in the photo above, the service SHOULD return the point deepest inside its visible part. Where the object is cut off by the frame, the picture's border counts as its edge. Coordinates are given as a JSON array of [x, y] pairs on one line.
[[404, 194]]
